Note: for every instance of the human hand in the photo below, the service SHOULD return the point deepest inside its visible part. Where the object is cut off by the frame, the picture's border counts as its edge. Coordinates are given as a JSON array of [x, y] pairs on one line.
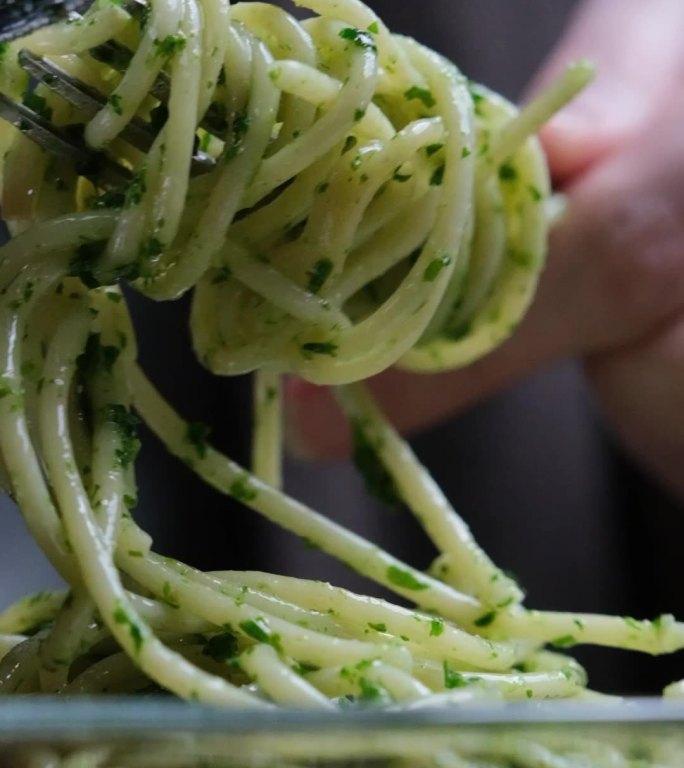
[[613, 291]]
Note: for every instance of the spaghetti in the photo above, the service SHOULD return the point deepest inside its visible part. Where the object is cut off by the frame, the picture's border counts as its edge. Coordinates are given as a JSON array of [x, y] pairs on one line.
[[365, 206]]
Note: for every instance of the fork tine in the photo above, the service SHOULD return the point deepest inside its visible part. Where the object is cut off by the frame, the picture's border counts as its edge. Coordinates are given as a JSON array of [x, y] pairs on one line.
[[118, 57], [137, 132], [93, 165], [82, 96]]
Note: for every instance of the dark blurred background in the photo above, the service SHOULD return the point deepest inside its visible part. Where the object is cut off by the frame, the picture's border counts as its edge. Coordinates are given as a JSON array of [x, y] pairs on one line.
[[546, 492]]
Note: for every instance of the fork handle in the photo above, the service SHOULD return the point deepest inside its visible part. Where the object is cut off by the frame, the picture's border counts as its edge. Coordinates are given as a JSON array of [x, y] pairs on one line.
[[19, 17]]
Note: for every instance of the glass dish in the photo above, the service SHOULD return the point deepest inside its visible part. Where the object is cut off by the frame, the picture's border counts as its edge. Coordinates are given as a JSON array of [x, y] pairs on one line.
[[36, 731]]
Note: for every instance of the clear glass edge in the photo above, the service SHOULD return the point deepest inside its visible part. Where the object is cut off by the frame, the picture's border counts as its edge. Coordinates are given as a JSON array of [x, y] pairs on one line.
[[51, 717]]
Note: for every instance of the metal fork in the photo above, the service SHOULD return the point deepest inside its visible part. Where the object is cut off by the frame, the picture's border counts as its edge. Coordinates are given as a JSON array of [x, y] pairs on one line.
[[67, 141]]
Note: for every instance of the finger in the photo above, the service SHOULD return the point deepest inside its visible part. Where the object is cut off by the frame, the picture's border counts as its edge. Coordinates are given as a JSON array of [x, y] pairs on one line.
[[641, 390], [615, 274], [637, 50]]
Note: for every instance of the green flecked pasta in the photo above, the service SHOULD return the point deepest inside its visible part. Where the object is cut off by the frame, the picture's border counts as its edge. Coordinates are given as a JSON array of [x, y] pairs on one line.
[[364, 206]]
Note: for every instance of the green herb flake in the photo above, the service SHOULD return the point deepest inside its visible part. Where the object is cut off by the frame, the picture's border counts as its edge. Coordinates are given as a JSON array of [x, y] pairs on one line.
[[404, 579], [313, 348], [535, 193], [349, 144], [114, 102], [151, 248], [454, 679], [378, 627], [197, 434], [465, 152], [567, 641], [437, 178], [169, 597], [433, 149], [359, 115], [170, 45], [378, 481], [135, 553], [120, 616], [259, 630], [415, 92], [135, 191], [374, 28], [435, 267], [436, 627], [359, 38], [125, 424], [507, 172], [486, 620], [242, 489], [305, 668], [221, 648], [522, 259], [372, 692], [319, 274]]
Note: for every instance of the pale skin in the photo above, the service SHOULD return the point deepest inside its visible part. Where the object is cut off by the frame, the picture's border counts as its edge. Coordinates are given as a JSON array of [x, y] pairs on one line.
[[612, 295]]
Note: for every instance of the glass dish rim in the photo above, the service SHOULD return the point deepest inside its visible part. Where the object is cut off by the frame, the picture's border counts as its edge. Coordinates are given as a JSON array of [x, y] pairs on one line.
[[48, 717]]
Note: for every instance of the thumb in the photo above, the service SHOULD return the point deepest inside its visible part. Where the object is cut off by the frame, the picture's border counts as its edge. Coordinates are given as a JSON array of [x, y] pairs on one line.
[[637, 50]]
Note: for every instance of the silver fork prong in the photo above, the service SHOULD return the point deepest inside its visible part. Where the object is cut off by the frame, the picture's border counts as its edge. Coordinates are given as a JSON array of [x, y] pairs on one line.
[[97, 167], [118, 57], [137, 133]]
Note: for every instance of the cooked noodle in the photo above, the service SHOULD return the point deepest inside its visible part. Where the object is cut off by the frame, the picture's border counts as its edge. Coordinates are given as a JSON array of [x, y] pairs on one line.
[[367, 206]]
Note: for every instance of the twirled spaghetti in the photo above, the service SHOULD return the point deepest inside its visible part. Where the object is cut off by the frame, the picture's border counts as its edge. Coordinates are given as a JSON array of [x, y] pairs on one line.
[[362, 205]]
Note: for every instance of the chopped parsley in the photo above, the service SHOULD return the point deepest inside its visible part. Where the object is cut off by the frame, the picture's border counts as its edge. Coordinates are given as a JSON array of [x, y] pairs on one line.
[[98, 355], [486, 620], [242, 490], [437, 178], [259, 630], [313, 348], [507, 172], [378, 627], [319, 274], [436, 627], [121, 617], [404, 579], [435, 267], [374, 28], [170, 45], [415, 92], [359, 38], [567, 641], [197, 434], [454, 679], [136, 189], [432, 149], [378, 481], [221, 647], [372, 692], [126, 425], [114, 102]]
